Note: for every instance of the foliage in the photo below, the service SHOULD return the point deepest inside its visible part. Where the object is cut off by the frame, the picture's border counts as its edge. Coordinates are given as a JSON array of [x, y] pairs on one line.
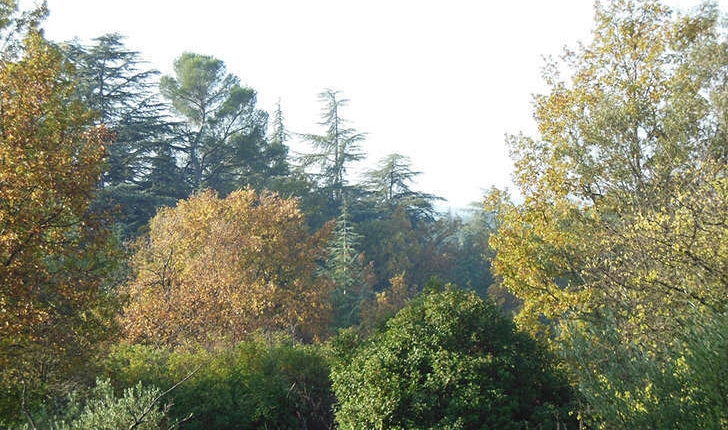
[[386, 303], [685, 385], [621, 238], [345, 266], [447, 360], [335, 150], [221, 138], [137, 408], [16, 25], [392, 244], [215, 270], [389, 187], [141, 174], [258, 383], [54, 310]]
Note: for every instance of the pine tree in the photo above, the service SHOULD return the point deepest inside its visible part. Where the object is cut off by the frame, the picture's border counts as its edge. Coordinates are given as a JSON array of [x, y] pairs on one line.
[[220, 137], [141, 175]]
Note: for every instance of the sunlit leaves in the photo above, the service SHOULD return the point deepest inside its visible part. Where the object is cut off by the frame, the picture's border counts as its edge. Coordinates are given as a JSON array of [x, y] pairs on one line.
[[622, 229], [215, 270], [53, 251], [447, 360]]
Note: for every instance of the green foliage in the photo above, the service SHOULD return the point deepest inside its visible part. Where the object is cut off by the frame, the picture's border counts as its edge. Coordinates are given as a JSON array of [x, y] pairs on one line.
[[141, 174], [221, 136], [334, 151], [138, 408], [447, 360], [620, 242], [629, 387], [261, 383], [389, 187], [344, 265]]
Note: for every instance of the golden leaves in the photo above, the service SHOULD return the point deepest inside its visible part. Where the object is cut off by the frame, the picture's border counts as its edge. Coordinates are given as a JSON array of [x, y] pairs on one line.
[[218, 269], [51, 248]]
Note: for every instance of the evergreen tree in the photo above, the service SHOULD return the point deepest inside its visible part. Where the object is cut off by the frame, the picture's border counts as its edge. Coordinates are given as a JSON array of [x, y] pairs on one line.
[[220, 138], [334, 151], [448, 360], [141, 175], [390, 186], [345, 267]]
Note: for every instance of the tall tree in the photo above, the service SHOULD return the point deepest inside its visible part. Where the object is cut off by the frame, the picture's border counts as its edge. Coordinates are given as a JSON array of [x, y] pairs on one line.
[[141, 174], [53, 252], [619, 237], [333, 152], [346, 267], [221, 136]]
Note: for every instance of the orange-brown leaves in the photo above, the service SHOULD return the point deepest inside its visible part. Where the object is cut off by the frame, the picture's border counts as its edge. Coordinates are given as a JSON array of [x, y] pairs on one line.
[[51, 250], [214, 270]]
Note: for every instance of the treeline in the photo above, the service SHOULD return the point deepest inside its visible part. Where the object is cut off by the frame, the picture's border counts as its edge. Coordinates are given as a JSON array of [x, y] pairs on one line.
[[166, 263], [175, 136]]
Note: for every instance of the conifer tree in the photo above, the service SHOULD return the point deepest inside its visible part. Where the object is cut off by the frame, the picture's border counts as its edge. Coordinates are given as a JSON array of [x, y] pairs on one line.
[[220, 138], [141, 173], [334, 151], [345, 267]]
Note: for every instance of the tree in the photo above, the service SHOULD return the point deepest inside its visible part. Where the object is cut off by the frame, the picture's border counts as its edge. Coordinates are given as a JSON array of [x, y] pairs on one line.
[[345, 266], [447, 360], [213, 271], [389, 186], [392, 244], [623, 191], [141, 173], [54, 253], [16, 26], [221, 138], [334, 151]]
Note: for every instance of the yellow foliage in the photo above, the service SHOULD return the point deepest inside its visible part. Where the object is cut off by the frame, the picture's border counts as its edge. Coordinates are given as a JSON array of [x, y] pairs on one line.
[[215, 270]]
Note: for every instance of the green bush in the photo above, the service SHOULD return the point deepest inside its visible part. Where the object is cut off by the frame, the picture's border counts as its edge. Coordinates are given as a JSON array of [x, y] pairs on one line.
[[103, 410], [447, 360], [256, 384]]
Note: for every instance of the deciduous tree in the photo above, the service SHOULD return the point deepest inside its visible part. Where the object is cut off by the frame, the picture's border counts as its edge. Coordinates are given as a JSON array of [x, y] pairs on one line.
[[622, 226], [216, 270], [53, 253]]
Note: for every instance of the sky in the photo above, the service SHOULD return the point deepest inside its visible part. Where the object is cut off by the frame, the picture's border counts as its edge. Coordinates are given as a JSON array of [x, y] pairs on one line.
[[441, 82]]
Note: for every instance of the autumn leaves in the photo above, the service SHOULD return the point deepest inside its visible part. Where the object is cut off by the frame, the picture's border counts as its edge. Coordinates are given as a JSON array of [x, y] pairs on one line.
[[216, 270]]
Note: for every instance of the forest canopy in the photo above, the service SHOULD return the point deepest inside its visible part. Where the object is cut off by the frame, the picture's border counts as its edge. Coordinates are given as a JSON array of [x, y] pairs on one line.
[[167, 262]]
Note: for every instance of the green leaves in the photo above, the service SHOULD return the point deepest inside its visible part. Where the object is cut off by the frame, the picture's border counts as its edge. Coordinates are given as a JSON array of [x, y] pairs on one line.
[[610, 250], [448, 359]]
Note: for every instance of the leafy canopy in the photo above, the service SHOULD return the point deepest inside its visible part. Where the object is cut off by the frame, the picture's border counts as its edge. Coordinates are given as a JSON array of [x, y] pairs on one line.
[[215, 270]]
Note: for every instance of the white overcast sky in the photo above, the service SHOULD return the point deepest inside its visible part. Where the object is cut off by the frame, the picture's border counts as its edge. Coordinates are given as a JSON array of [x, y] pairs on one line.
[[439, 81]]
